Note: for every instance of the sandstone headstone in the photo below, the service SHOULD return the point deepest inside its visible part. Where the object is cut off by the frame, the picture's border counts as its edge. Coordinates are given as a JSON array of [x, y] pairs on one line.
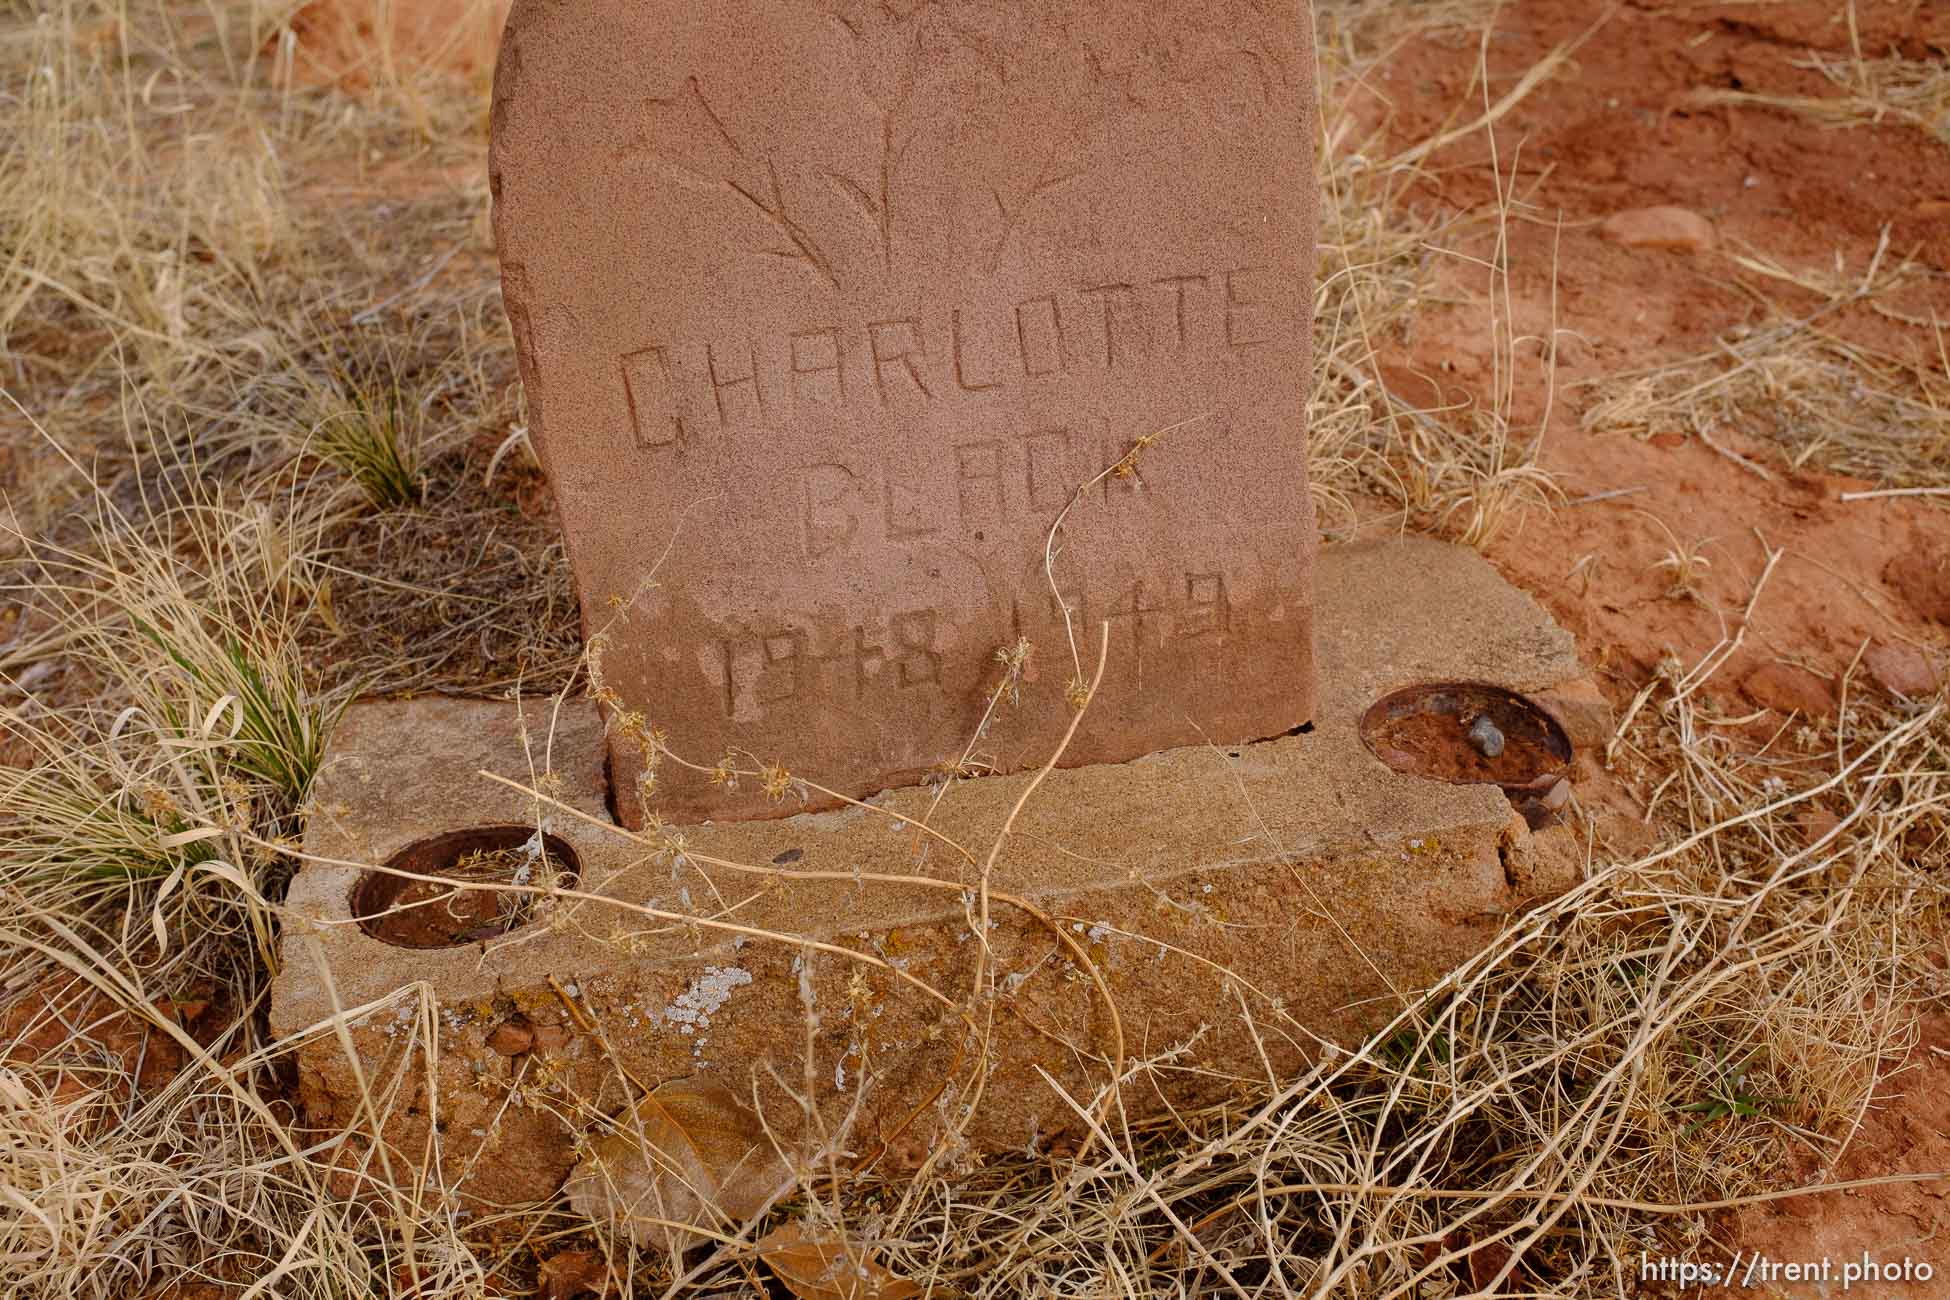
[[827, 310]]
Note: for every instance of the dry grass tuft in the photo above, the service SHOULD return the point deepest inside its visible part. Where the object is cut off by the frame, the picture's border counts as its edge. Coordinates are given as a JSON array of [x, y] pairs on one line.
[[1913, 92], [1828, 402], [1467, 473]]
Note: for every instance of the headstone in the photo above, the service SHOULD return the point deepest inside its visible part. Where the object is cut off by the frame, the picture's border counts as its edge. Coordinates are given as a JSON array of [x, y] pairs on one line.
[[828, 311]]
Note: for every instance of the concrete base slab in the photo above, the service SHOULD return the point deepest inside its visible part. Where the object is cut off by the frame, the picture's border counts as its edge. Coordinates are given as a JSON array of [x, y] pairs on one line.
[[1297, 881]]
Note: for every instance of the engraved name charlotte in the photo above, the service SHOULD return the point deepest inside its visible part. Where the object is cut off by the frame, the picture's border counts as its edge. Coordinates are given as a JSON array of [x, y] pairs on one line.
[[680, 390]]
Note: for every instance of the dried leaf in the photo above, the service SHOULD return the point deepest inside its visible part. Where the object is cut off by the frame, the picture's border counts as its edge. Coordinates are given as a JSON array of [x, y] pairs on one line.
[[323, 604], [1485, 1262], [830, 1268], [694, 1157], [567, 1274]]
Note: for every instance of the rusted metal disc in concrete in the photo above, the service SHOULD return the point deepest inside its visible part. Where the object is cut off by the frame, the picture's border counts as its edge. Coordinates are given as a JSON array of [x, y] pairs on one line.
[[1466, 733], [462, 906]]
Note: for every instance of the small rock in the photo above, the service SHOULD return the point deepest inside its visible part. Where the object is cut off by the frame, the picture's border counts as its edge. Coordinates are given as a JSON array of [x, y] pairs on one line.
[[1678, 229], [1921, 576], [1787, 689], [1815, 822], [1487, 739], [190, 1010], [552, 1038], [569, 1274], [511, 1039], [1901, 669], [1557, 796]]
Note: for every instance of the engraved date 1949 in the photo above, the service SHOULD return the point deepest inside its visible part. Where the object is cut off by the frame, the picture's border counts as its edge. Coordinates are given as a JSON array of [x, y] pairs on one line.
[[791, 664]]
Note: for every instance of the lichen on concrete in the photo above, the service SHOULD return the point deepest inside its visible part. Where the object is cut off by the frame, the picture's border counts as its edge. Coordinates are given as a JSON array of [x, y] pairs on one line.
[[692, 1010]]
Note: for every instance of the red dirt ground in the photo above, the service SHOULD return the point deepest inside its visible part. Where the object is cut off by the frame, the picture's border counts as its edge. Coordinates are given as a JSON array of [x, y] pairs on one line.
[[1615, 133], [340, 41], [1907, 1133], [77, 1043], [1623, 130]]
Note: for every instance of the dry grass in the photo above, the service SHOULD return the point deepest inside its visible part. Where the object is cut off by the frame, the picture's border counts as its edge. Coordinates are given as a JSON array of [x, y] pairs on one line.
[[1466, 473], [1914, 92], [1829, 402], [211, 566]]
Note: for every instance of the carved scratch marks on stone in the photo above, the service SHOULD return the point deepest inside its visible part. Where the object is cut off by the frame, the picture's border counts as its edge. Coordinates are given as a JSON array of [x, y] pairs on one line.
[[682, 119], [1014, 208], [872, 207], [979, 491], [909, 60], [1219, 61], [649, 389], [774, 210], [876, 208], [851, 26], [690, 140], [888, 87], [988, 54]]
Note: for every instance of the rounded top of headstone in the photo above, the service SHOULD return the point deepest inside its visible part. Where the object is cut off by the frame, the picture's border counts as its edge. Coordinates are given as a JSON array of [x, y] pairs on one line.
[[826, 311]]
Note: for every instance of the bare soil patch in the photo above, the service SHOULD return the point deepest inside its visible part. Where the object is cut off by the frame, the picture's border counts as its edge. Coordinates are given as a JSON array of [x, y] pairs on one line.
[[1802, 209], [1905, 1130], [1670, 562]]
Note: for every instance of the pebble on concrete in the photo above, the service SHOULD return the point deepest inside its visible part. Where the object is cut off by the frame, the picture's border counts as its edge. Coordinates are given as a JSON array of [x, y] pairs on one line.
[[1678, 229], [1487, 739], [511, 1039]]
